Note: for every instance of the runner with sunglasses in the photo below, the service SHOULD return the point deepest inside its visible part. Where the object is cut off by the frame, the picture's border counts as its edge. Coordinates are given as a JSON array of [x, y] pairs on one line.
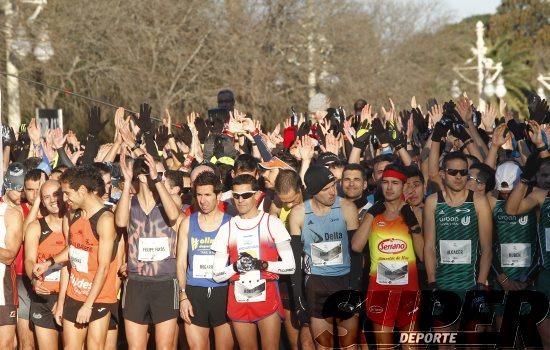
[[457, 232], [253, 242], [203, 302]]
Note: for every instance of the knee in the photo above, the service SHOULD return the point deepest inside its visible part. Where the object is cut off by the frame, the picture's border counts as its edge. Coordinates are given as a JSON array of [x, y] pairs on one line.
[[198, 344]]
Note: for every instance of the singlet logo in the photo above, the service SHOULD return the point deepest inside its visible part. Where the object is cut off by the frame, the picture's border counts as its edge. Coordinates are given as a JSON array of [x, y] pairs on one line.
[[376, 309], [523, 220], [441, 212], [465, 210], [381, 223], [392, 246], [465, 220], [200, 243]]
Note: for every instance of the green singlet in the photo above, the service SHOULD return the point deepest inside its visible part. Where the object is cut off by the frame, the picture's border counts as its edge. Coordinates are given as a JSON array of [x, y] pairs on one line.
[[457, 240], [516, 240]]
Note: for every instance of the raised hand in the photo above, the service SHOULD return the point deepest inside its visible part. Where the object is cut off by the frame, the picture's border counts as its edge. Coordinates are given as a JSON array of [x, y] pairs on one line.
[[535, 133], [57, 138], [464, 108], [306, 150], [488, 117], [34, 132], [435, 114], [152, 165], [498, 136], [331, 144], [366, 115], [144, 121], [94, 121], [167, 120], [125, 168]]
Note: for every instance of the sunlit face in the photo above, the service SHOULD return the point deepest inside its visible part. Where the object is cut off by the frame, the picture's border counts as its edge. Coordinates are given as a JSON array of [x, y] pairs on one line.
[[379, 170], [269, 176], [32, 189], [392, 188], [458, 181], [244, 205], [414, 191], [51, 197], [327, 196], [73, 198], [353, 184], [206, 198], [291, 198]]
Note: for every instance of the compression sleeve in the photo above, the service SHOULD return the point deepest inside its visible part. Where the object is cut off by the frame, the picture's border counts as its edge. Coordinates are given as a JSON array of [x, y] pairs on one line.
[[287, 265], [221, 271], [356, 269]]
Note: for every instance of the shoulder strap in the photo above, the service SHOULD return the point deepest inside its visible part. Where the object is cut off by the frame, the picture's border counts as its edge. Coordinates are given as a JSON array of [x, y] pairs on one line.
[[76, 215], [440, 198], [94, 219], [470, 197], [45, 230]]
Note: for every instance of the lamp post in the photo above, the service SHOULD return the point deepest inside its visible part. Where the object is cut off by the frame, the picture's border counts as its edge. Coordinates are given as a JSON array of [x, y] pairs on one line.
[[544, 84], [21, 46], [486, 69]]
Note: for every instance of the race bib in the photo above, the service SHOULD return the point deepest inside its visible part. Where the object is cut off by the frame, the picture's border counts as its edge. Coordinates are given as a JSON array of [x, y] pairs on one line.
[[392, 273], [456, 251], [203, 266], [327, 253], [515, 254], [250, 291], [79, 259], [153, 249], [53, 274], [547, 238], [249, 242]]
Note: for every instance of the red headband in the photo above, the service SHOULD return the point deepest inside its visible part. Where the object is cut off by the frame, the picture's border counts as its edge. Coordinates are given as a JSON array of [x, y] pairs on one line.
[[394, 173]]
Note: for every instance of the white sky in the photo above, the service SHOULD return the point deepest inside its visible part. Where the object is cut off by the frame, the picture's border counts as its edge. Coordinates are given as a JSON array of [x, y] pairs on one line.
[[467, 8]]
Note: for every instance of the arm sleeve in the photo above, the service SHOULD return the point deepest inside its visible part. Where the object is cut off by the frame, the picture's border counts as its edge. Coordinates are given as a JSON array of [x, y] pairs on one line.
[[221, 271], [92, 147], [63, 158], [356, 270], [297, 277], [287, 264], [264, 152]]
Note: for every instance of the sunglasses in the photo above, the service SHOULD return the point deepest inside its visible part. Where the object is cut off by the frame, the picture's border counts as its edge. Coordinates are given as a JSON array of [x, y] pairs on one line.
[[478, 181], [243, 195], [455, 172]]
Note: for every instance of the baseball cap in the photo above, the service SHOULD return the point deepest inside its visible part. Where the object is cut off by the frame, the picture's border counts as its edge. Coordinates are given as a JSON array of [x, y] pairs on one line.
[[327, 158], [507, 176], [275, 163], [14, 179], [316, 178]]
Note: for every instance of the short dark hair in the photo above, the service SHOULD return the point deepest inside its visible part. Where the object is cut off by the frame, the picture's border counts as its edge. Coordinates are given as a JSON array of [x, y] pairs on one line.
[[289, 159], [359, 104], [383, 158], [84, 175], [32, 162], [35, 175], [140, 167], [207, 178], [486, 174], [102, 167], [245, 162], [246, 179], [414, 171], [175, 177], [454, 156], [287, 180], [356, 167]]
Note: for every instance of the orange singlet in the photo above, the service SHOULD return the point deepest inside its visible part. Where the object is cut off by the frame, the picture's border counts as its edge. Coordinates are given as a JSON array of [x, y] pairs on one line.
[[49, 245], [83, 258]]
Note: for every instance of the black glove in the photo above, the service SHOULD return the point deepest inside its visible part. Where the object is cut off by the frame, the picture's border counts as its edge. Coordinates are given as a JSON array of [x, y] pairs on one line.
[[361, 141], [408, 216], [398, 142], [519, 130], [8, 136], [162, 136], [440, 131], [459, 131], [94, 121], [420, 123], [300, 315], [144, 120], [377, 208], [532, 165], [538, 109], [405, 115], [244, 264]]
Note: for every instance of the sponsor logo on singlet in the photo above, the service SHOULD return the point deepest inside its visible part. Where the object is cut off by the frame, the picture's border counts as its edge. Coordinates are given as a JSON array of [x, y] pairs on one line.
[[392, 246], [465, 221]]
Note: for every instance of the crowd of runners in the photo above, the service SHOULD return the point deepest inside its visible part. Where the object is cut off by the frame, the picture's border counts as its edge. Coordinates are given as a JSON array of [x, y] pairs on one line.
[[219, 233]]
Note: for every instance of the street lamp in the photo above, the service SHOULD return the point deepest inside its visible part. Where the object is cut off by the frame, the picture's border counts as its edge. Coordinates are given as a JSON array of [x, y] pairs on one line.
[[544, 84], [487, 70], [455, 90]]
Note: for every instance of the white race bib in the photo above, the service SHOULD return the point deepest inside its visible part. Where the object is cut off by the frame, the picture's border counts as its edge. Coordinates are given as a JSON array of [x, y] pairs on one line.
[[79, 259], [53, 274], [327, 253], [515, 254], [250, 291], [203, 266], [394, 273], [153, 249], [456, 251]]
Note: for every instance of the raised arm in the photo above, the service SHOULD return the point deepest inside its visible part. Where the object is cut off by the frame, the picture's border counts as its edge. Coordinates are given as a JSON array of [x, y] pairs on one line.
[[485, 226], [428, 223]]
